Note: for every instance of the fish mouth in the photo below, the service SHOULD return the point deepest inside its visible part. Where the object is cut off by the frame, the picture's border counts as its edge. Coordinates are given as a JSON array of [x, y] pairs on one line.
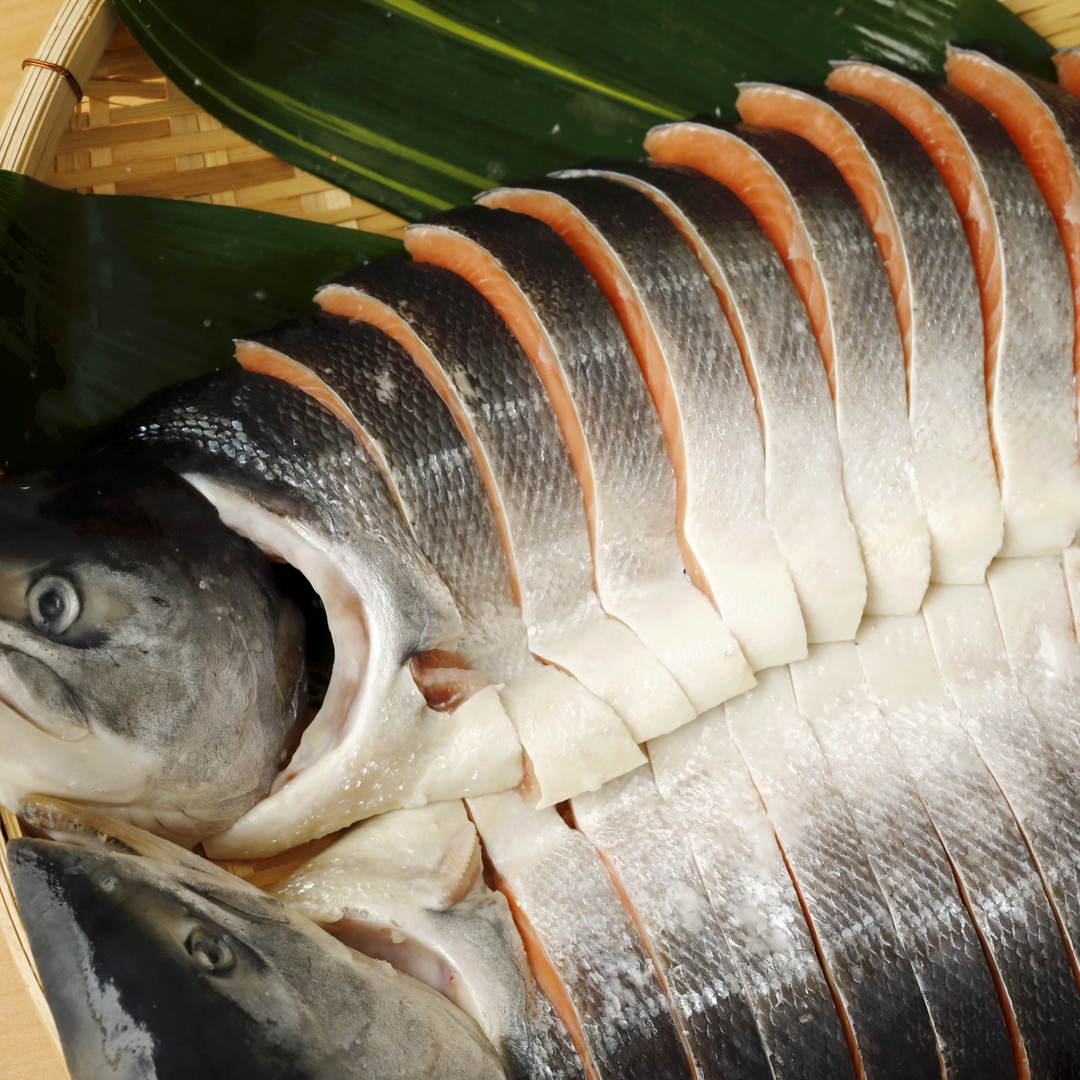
[[33, 691], [287, 541]]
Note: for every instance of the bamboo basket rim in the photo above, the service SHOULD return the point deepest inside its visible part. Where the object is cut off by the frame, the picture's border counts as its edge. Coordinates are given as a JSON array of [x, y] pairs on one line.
[[43, 113]]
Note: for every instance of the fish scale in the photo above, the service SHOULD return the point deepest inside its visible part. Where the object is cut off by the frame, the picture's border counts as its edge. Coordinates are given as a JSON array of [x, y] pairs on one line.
[[1035, 619], [538, 501], [695, 375], [863, 957], [1044, 122], [1026, 300], [804, 498], [819, 230], [922, 242], [592, 379], [984, 843], [704, 781], [627, 821], [610, 983], [908, 861], [1036, 772], [429, 465]]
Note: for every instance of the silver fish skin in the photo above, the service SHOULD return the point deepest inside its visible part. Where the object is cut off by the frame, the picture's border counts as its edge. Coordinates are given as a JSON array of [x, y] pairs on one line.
[[1026, 299], [928, 261], [136, 954], [695, 375], [862, 954], [581, 354], [712, 797], [401, 422], [1047, 134], [498, 401], [993, 865], [252, 443], [834, 262], [580, 933], [1031, 385], [1024, 746], [650, 860], [804, 497], [909, 862], [147, 662]]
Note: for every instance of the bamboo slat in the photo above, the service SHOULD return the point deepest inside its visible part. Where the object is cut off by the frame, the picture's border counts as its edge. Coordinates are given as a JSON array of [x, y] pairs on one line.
[[134, 133]]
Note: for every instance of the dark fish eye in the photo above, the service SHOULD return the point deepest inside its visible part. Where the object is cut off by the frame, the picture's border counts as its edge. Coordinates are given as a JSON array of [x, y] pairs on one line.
[[211, 952], [53, 604]]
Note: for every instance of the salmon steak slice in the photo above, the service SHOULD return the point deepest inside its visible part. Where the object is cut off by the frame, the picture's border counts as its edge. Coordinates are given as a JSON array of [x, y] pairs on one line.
[[692, 367], [818, 229], [804, 499], [1025, 294], [370, 382], [574, 341], [926, 256]]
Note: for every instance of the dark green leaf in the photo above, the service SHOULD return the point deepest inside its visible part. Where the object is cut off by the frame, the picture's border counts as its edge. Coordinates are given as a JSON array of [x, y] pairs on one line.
[[105, 299], [417, 104]]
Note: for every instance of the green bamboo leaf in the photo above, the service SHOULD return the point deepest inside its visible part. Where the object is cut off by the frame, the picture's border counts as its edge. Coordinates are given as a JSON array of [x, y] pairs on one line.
[[104, 300], [417, 104]]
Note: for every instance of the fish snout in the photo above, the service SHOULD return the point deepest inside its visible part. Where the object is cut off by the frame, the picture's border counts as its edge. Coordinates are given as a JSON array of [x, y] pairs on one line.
[[33, 690]]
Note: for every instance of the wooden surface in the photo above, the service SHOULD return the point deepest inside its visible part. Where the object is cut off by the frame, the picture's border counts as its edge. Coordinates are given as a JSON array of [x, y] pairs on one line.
[[135, 133], [28, 1053]]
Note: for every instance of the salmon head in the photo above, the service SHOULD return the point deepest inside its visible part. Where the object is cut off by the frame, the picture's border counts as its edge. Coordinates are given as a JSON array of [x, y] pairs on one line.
[[158, 964], [148, 665]]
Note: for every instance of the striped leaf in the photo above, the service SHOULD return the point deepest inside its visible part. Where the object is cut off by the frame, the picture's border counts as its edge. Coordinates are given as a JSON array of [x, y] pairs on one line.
[[105, 299], [417, 104]]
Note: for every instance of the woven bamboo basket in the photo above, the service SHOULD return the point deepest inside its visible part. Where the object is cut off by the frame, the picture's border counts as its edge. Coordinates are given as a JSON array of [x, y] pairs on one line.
[[131, 132]]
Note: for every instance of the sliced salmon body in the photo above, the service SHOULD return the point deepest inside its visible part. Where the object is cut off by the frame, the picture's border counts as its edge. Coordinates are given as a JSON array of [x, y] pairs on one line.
[[592, 380], [804, 497], [870, 975], [692, 367], [712, 798], [1035, 770], [653, 868], [1044, 122], [371, 383], [1001, 884], [819, 231], [582, 942], [480, 371], [449, 330], [1026, 301], [926, 256], [932, 922]]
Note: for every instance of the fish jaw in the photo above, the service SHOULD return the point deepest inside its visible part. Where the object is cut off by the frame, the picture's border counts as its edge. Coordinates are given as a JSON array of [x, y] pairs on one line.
[[136, 955]]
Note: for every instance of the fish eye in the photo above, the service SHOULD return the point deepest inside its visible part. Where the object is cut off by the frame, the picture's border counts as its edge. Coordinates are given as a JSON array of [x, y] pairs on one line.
[[211, 952], [53, 604]]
